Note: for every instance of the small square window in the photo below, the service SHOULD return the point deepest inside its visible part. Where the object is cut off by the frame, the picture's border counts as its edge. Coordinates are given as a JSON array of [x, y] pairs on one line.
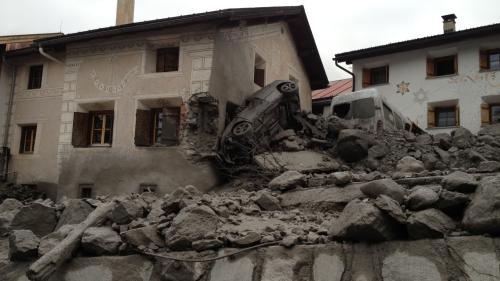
[[495, 114], [379, 75], [446, 116], [167, 59], [146, 187], [35, 77], [102, 128], [442, 66], [494, 60], [28, 136], [86, 190]]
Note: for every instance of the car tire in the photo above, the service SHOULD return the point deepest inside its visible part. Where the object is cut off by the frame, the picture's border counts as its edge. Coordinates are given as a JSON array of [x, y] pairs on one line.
[[241, 128], [288, 88]]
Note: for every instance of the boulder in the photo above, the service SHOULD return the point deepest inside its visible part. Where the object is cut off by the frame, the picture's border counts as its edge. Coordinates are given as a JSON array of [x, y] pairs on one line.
[[75, 212], [191, 224], [154, 216], [49, 241], [267, 202], [287, 180], [462, 138], [430, 161], [9, 205], [100, 241], [250, 239], [384, 186], [488, 166], [8, 210], [430, 223], [353, 145], [207, 244], [421, 198], [143, 236], [390, 207], [491, 130], [452, 203], [443, 140], [362, 221], [341, 178], [424, 139], [23, 245], [126, 211], [483, 213], [460, 181], [378, 151], [306, 161], [36, 217], [410, 164]]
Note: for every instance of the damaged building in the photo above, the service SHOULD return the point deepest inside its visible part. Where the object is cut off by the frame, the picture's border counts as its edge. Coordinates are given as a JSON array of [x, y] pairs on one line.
[[137, 106]]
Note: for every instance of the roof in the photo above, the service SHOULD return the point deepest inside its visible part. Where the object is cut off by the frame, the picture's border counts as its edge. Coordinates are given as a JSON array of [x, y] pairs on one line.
[[8, 39], [295, 16], [419, 43], [334, 88]]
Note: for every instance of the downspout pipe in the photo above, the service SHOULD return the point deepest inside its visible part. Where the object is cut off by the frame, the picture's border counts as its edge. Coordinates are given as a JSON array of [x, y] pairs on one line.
[[10, 104], [43, 53], [349, 72]]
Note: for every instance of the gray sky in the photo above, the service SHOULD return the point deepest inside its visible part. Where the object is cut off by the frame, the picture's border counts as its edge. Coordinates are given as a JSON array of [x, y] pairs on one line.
[[338, 26]]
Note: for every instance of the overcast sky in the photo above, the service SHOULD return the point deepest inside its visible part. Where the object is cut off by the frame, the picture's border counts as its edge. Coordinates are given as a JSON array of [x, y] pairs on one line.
[[338, 26]]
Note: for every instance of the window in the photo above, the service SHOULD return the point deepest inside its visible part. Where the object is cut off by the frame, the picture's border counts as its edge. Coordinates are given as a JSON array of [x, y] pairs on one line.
[[28, 135], [93, 129], [363, 108], [342, 110], [442, 66], [146, 187], [490, 60], [375, 76], [35, 77], [259, 72], [490, 114], [86, 190], [167, 59], [158, 126], [443, 116], [388, 115]]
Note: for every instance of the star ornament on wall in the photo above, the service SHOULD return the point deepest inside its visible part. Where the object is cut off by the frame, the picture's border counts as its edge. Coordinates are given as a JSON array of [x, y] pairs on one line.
[[403, 87]]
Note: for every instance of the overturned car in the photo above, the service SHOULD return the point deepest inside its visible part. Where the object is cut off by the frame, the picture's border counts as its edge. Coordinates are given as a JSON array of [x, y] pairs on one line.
[[264, 114]]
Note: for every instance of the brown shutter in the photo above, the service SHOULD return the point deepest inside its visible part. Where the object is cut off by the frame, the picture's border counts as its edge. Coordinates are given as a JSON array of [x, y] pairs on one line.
[[142, 127], [170, 132], [455, 62], [81, 132], [431, 118], [483, 60], [430, 67], [259, 77], [485, 114], [457, 116], [366, 77]]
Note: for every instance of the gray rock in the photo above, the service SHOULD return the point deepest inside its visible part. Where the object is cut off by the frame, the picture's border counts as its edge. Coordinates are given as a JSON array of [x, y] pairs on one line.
[[410, 164], [421, 198], [75, 212], [460, 181], [250, 239], [36, 217], [452, 203], [126, 211], [443, 155], [384, 186], [154, 216], [489, 166], [362, 221], [49, 241], [353, 145], [100, 241], [267, 202], [8, 210], [283, 135], [287, 180], [424, 139], [462, 138], [23, 245], [483, 213], [207, 244], [10, 204], [492, 130], [143, 236], [390, 207], [430, 223], [341, 178], [289, 241], [378, 151], [443, 140], [430, 160], [191, 224]]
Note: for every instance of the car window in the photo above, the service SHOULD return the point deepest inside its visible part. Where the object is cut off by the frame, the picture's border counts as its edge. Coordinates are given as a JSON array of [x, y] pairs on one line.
[[342, 110], [363, 108], [388, 116], [399, 121]]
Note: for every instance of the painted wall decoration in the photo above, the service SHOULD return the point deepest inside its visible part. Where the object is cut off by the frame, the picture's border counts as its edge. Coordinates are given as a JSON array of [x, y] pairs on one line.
[[403, 87], [420, 96], [114, 89], [489, 77]]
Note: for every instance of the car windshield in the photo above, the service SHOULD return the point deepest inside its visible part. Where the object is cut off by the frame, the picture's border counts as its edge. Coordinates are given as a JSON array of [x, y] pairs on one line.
[[363, 108]]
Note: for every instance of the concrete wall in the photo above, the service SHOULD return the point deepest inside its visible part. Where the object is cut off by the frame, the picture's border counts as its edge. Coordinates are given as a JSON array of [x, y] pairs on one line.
[[470, 86]]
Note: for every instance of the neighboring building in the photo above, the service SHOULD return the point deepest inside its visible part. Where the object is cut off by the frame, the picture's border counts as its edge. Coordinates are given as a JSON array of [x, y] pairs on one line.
[[137, 106], [321, 99], [439, 82]]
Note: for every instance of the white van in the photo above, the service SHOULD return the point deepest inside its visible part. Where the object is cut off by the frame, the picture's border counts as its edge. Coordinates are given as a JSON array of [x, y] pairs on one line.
[[368, 109]]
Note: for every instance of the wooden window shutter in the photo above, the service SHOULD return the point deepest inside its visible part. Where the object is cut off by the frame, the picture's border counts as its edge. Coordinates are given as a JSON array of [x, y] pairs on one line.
[[142, 127], [431, 117], [455, 64], [457, 116], [259, 77], [366, 77], [81, 132], [430, 67], [171, 123], [483, 60], [485, 114]]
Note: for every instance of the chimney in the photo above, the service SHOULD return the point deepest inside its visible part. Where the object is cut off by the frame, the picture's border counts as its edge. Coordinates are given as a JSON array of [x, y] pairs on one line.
[[449, 23], [125, 12]]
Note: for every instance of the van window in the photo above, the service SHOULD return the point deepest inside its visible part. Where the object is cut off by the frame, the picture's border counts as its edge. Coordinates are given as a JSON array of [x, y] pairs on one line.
[[363, 108], [399, 122], [388, 116], [342, 110]]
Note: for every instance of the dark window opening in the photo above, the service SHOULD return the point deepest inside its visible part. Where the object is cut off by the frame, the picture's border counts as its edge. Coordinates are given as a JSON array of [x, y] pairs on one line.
[[86, 190], [148, 188], [28, 136], [259, 73], [342, 110], [363, 108], [445, 116], [445, 66], [494, 60], [102, 128], [495, 114], [157, 126], [388, 115], [35, 77], [167, 59], [379, 75]]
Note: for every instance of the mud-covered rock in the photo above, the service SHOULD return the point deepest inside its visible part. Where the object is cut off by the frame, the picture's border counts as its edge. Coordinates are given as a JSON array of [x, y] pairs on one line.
[[143, 236], [267, 202], [191, 224], [207, 244], [353, 145], [421, 198], [489, 166], [483, 213], [460, 181], [452, 203], [384, 186], [341, 178], [127, 211], [8, 210], [100, 241], [36, 217], [287, 180], [391, 207], [462, 138], [250, 239], [410, 164], [23, 245], [75, 212], [443, 140], [429, 223]]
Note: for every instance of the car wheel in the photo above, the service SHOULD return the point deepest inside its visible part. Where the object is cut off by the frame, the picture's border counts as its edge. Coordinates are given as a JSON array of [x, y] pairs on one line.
[[241, 128], [288, 87]]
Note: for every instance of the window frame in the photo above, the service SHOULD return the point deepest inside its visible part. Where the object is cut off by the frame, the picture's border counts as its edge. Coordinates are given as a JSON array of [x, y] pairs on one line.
[[155, 116], [103, 129], [164, 53], [35, 79], [489, 54], [490, 111], [432, 66], [82, 187], [445, 109], [385, 68], [32, 128]]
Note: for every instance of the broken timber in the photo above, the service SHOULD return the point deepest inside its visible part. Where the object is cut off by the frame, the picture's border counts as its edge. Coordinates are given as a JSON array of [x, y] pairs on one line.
[[43, 268]]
